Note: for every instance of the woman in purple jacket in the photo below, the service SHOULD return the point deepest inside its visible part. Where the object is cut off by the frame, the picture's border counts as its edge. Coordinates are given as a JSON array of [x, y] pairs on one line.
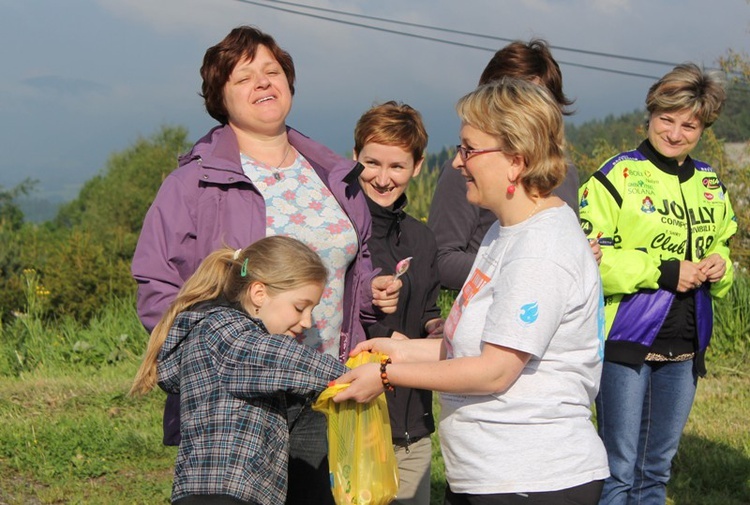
[[248, 178]]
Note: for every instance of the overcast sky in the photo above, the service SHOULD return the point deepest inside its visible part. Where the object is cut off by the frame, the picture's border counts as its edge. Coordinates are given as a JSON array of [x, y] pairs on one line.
[[82, 79]]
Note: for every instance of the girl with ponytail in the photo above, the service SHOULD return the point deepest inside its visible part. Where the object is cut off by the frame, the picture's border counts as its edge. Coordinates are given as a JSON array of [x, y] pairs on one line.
[[227, 346]]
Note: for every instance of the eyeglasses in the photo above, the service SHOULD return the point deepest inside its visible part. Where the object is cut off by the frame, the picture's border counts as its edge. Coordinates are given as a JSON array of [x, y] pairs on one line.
[[468, 153]]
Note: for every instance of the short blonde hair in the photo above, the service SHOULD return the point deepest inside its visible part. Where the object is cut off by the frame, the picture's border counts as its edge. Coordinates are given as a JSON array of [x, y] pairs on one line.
[[687, 87], [526, 121]]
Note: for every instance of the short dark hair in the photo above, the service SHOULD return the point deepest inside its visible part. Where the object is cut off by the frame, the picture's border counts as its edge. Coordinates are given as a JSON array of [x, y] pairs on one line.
[[530, 61], [219, 62], [392, 124]]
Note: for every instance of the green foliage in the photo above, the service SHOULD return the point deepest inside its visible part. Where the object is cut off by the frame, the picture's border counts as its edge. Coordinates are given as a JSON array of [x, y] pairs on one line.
[[26, 340], [731, 339], [29, 342], [83, 274], [18, 246], [117, 199], [436, 161], [420, 192], [734, 123], [422, 188], [624, 130], [14, 235], [111, 206], [83, 257], [11, 216]]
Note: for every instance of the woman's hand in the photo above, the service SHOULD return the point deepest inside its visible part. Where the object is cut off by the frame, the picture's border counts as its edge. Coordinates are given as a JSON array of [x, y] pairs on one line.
[[691, 276], [383, 345], [434, 327], [596, 249], [385, 291], [365, 384], [713, 267]]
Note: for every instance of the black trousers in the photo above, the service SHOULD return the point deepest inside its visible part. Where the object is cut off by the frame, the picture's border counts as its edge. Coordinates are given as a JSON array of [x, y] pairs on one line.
[[585, 494], [209, 499], [309, 478]]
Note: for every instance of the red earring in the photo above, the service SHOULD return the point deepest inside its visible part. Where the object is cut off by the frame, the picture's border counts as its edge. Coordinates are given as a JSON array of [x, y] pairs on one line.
[[511, 189]]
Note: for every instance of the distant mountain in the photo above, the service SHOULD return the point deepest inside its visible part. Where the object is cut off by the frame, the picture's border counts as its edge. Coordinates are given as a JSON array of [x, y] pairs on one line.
[[39, 210]]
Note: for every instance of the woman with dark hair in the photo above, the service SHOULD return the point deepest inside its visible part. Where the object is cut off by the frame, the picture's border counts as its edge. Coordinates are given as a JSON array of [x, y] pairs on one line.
[[664, 222], [250, 177], [460, 226]]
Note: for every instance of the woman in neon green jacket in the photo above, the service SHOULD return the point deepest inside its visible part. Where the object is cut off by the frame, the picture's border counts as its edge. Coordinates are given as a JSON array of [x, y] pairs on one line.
[[663, 221]]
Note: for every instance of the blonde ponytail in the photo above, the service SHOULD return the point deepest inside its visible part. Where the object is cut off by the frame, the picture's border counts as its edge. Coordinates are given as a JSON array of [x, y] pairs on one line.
[[281, 263], [207, 283]]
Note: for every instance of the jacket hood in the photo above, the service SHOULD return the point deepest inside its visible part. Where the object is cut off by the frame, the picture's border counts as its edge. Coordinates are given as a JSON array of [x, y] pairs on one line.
[[218, 150], [170, 355], [218, 154]]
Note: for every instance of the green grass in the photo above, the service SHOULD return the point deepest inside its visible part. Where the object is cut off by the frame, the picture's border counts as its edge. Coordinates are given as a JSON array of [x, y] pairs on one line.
[[712, 466], [70, 434], [75, 437]]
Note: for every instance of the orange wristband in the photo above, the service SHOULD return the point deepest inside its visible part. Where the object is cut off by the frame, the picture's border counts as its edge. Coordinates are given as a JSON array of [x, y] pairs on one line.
[[384, 374]]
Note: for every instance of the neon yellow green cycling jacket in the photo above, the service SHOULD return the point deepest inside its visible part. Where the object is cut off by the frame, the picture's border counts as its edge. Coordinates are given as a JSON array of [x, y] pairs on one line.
[[648, 214]]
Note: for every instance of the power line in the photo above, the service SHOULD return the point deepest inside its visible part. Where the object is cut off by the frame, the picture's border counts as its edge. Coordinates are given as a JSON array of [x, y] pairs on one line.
[[472, 34], [434, 39]]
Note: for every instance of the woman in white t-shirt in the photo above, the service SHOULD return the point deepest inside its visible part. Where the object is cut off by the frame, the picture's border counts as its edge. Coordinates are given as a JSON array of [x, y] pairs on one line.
[[520, 362]]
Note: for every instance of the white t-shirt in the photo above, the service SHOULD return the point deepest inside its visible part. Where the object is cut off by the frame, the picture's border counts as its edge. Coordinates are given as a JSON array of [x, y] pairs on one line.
[[534, 287]]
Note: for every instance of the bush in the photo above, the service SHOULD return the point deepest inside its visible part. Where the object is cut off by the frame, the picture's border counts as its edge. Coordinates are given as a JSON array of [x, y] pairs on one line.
[[29, 342], [731, 337], [83, 276]]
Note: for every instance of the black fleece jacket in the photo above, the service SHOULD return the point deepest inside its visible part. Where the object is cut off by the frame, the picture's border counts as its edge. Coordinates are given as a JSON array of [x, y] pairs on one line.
[[395, 236]]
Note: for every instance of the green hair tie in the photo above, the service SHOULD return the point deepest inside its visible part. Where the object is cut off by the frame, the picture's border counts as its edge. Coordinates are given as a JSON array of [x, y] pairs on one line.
[[243, 272]]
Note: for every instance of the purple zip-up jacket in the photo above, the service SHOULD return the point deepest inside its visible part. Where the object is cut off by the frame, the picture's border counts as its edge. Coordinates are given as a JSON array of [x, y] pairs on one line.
[[208, 202]]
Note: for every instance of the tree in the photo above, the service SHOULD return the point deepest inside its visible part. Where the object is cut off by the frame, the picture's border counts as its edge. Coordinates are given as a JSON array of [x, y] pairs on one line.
[[11, 216], [737, 172], [83, 256]]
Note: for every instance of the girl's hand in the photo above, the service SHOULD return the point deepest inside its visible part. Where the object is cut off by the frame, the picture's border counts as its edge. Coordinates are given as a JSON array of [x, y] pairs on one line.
[[364, 384], [385, 291]]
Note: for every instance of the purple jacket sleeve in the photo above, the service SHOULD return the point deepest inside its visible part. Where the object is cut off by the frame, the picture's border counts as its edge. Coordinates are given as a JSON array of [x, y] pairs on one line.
[[162, 262]]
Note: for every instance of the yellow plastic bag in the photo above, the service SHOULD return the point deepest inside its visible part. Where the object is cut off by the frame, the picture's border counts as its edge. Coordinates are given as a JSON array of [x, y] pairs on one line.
[[362, 463]]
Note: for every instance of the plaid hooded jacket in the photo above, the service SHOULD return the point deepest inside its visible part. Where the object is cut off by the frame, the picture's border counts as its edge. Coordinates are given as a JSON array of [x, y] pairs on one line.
[[233, 377]]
